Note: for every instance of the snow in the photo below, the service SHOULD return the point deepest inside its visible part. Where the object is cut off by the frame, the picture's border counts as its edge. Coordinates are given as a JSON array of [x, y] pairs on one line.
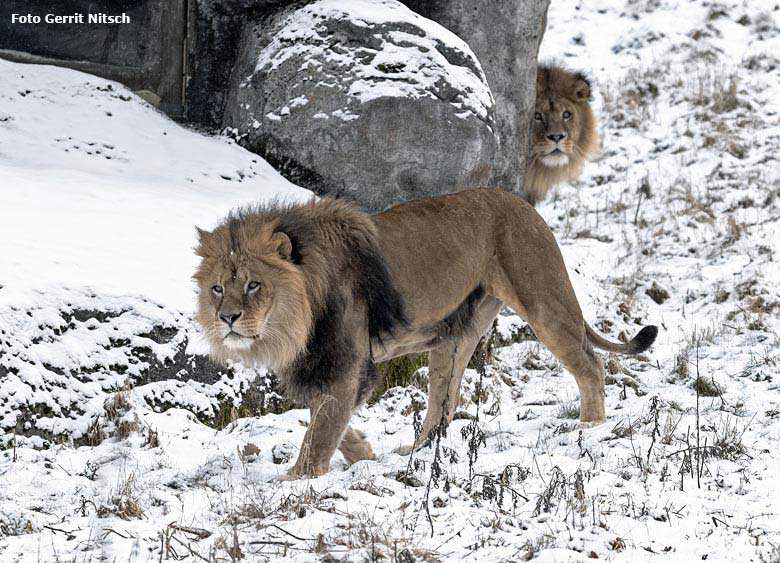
[[105, 191], [706, 230], [412, 61]]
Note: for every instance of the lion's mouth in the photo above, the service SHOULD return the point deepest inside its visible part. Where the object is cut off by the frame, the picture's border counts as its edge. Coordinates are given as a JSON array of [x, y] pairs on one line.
[[237, 341], [555, 158]]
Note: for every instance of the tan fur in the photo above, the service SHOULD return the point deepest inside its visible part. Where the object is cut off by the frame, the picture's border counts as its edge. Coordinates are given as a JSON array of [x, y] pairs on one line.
[[478, 247], [559, 91]]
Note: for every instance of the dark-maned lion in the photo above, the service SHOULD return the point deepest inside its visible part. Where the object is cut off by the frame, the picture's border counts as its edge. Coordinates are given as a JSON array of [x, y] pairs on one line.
[[320, 291], [564, 130]]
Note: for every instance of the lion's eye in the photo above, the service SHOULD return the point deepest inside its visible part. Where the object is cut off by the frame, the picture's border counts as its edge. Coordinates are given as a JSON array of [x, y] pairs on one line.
[[252, 286], [538, 116], [566, 114], [217, 289]]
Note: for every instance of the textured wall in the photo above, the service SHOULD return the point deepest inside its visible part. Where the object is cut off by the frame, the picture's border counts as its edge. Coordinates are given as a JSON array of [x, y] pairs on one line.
[[145, 54]]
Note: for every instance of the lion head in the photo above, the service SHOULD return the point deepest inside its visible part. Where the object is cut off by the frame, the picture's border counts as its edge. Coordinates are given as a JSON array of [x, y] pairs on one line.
[[253, 303], [270, 275], [564, 130]]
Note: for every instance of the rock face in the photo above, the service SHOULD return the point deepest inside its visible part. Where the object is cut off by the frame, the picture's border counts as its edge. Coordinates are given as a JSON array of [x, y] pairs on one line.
[[63, 361], [505, 36], [365, 99], [418, 131], [144, 54]]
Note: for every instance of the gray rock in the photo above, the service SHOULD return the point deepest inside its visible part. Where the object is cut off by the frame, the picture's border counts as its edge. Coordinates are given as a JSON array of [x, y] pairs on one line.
[[505, 36], [63, 361], [213, 30], [365, 99]]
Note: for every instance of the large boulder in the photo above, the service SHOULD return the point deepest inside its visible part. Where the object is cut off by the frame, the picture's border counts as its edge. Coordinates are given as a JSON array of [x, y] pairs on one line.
[[505, 35], [365, 99]]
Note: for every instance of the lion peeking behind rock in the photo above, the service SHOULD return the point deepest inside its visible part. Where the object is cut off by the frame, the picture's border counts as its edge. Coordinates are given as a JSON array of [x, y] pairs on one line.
[[564, 130], [319, 292]]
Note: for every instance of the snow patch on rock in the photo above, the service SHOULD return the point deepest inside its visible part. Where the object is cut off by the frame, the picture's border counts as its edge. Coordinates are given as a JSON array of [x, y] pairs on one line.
[[406, 55], [65, 353]]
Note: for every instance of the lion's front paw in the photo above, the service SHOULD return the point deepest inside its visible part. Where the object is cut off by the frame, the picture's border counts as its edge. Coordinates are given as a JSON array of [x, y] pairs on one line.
[[590, 424], [288, 477]]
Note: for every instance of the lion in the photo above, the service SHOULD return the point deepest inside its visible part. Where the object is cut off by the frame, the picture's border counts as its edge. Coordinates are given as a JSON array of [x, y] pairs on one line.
[[320, 292], [564, 130]]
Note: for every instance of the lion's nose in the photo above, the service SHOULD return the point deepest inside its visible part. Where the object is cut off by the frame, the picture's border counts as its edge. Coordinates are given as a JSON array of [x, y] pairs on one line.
[[557, 137], [230, 318]]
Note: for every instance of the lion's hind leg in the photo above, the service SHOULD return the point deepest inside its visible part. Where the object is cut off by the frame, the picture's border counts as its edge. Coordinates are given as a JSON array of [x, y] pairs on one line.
[[446, 364], [330, 414], [564, 336], [557, 321], [568, 344], [536, 285]]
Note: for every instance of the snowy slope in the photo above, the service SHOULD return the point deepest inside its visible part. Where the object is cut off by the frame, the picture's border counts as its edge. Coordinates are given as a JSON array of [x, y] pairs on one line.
[[677, 224], [100, 194], [100, 189]]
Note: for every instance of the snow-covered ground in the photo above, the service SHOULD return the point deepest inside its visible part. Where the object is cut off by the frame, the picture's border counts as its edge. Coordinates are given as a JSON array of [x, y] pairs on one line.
[[100, 194], [677, 224]]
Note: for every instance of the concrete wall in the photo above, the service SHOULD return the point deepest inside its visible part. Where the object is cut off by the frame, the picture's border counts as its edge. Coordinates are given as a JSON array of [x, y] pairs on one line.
[[146, 54]]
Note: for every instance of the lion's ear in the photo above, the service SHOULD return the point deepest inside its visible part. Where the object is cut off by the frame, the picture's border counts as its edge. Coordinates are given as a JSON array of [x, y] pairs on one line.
[[203, 235], [582, 88], [282, 244], [204, 238]]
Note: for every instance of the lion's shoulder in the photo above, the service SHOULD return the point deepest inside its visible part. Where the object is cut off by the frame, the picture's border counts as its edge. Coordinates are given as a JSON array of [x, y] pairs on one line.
[[337, 245]]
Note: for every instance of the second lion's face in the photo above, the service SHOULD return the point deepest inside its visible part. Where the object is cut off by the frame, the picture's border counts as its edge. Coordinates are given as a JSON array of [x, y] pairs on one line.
[[563, 126], [556, 131]]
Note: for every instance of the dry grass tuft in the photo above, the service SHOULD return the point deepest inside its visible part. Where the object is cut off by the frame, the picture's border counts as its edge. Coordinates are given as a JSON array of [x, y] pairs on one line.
[[124, 502], [569, 410], [113, 422], [706, 387], [728, 439]]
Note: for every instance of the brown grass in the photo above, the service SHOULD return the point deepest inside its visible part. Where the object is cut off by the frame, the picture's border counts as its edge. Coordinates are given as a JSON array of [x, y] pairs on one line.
[[124, 502]]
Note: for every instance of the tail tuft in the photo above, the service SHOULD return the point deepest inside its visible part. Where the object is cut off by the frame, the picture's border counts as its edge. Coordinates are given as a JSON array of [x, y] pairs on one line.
[[644, 339]]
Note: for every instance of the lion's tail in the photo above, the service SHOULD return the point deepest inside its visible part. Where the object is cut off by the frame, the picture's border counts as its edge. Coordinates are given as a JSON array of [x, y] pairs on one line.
[[641, 342]]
